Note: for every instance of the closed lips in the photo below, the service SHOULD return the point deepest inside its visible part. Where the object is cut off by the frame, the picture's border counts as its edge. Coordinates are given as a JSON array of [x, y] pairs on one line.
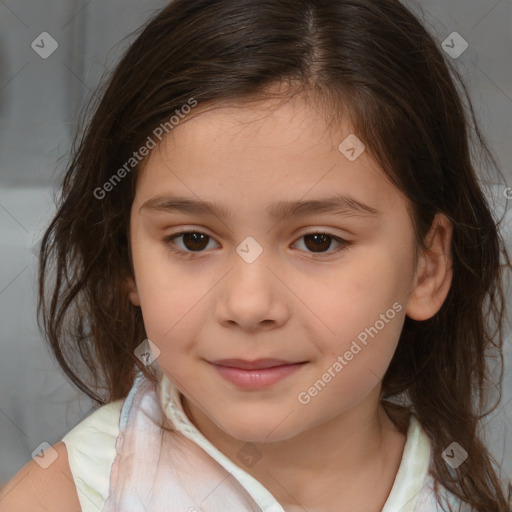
[[259, 364]]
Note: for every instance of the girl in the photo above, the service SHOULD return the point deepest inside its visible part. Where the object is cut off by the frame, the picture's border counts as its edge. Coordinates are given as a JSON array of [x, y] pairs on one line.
[[276, 271]]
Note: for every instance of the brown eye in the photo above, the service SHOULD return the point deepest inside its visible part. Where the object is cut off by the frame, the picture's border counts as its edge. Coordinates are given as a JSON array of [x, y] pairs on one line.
[[193, 241], [320, 243]]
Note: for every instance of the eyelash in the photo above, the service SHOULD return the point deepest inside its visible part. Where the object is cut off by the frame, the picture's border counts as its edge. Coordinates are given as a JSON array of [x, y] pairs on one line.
[[170, 244]]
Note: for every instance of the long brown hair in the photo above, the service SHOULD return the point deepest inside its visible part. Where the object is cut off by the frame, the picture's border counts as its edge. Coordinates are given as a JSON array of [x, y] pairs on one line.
[[374, 59]]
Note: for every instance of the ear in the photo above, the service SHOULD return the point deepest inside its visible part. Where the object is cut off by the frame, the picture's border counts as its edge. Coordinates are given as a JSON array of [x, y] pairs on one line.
[[433, 276], [131, 290]]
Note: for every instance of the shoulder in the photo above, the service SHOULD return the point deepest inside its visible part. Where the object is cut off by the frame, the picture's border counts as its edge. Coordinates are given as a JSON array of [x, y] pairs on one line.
[[91, 448], [95, 431], [78, 478], [39, 490]]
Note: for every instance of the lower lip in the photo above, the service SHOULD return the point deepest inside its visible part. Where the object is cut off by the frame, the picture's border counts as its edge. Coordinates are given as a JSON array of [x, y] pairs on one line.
[[255, 379]]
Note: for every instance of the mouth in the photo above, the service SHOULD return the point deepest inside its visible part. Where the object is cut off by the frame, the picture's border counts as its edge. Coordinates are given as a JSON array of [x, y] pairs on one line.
[[257, 364], [257, 373]]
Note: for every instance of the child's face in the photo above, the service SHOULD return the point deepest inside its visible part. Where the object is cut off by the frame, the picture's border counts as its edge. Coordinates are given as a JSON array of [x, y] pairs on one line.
[[300, 300]]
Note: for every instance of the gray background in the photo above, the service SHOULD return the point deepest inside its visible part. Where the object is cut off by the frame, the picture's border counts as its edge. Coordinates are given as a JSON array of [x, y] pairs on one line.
[[40, 100]]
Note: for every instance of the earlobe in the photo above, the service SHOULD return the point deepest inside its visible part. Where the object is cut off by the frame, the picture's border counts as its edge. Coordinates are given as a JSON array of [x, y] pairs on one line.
[[131, 289], [433, 273]]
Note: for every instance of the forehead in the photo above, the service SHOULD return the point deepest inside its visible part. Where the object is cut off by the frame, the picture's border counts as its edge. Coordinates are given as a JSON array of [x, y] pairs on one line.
[[257, 124], [260, 152]]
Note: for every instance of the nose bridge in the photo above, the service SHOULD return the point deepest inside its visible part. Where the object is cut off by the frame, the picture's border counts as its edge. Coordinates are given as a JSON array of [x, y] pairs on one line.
[[251, 267], [252, 293]]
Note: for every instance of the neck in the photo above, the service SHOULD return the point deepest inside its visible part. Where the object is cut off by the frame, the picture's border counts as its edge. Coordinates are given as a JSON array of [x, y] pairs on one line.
[[355, 446]]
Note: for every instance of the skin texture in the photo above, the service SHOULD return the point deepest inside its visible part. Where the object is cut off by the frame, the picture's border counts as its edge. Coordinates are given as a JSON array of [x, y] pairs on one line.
[[292, 302], [42, 490]]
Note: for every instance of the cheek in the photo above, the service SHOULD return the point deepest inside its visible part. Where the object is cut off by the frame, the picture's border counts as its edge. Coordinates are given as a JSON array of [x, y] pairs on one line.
[[364, 306], [363, 288], [354, 365], [170, 298]]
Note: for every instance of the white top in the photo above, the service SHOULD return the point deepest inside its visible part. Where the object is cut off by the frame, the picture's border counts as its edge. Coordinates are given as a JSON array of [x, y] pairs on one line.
[[91, 447]]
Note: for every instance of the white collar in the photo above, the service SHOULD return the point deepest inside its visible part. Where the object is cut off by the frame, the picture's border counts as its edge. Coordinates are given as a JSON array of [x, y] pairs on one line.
[[404, 494]]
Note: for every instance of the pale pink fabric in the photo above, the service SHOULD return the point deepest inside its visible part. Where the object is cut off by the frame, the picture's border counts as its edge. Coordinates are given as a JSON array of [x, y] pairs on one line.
[[157, 470]]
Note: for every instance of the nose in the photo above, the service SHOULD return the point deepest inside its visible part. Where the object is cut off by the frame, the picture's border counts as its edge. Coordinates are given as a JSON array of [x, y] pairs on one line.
[[253, 296]]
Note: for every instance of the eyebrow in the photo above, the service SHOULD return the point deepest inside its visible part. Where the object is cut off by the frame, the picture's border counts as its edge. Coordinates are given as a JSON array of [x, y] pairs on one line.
[[341, 205]]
